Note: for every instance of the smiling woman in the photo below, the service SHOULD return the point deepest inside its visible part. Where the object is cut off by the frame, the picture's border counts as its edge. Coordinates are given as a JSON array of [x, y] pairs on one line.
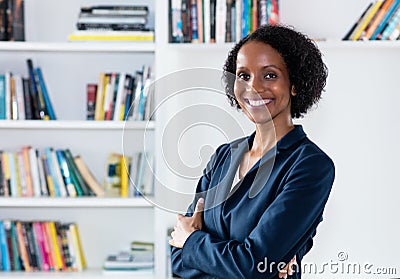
[[261, 197]]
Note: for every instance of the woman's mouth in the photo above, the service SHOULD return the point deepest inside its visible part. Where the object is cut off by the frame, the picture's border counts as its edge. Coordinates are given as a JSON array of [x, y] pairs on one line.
[[258, 102]]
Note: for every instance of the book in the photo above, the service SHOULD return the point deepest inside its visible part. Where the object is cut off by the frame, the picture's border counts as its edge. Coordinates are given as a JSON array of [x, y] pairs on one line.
[[85, 191], [2, 97], [37, 106], [34, 168], [141, 246], [385, 19], [376, 20], [18, 22], [352, 29], [100, 96], [395, 34], [134, 10], [5, 258], [66, 173], [49, 178], [22, 247], [6, 173], [125, 167], [27, 98], [391, 26], [120, 97], [91, 90], [52, 165], [88, 177], [365, 20], [110, 36], [3, 20], [46, 98], [112, 179], [128, 261], [38, 230], [19, 92], [76, 241]]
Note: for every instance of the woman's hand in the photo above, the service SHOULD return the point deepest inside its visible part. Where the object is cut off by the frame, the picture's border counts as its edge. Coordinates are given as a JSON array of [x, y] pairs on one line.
[[288, 269], [185, 226]]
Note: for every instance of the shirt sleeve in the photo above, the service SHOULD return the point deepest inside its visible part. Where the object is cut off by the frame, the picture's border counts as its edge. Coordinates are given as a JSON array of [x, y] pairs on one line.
[[282, 231]]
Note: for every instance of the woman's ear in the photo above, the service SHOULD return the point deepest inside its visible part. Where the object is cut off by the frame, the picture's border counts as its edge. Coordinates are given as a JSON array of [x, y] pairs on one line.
[[293, 91]]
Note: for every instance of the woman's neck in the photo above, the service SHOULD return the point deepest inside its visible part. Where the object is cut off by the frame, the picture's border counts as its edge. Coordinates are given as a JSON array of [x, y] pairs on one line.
[[268, 134]]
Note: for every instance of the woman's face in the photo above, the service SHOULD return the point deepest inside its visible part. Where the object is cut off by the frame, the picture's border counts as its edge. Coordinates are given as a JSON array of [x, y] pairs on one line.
[[262, 86]]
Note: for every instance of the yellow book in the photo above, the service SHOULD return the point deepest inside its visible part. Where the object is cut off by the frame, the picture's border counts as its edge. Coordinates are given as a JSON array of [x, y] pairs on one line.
[[112, 36], [365, 20], [56, 248], [49, 178], [76, 241], [98, 110], [6, 173], [125, 162]]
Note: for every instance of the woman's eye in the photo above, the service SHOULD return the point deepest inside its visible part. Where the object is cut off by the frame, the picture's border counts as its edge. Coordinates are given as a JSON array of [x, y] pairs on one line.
[[243, 76], [270, 75]]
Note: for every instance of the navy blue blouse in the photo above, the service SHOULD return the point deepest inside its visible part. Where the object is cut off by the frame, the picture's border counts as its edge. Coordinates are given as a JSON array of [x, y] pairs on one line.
[[268, 218]]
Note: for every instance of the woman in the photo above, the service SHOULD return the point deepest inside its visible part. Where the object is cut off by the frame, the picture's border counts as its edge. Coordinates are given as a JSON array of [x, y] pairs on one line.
[[261, 197]]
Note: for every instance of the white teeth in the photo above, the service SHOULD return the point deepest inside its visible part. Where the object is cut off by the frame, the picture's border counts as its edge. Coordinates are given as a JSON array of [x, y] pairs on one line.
[[256, 103]]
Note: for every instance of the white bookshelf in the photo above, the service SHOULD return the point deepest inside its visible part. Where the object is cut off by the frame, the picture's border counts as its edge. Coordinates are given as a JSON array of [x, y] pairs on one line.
[[108, 224]]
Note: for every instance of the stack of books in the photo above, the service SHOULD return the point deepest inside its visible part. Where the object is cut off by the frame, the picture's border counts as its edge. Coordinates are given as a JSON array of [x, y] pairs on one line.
[[112, 23], [25, 97], [40, 246], [218, 21], [380, 20], [140, 259], [55, 173]]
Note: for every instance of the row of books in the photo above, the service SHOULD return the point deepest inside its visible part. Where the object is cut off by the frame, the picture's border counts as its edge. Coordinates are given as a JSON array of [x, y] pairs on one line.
[[121, 96], [210, 21], [12, 23], [129, 176], [140, 258], [40, 246], [25, 97], [380, 20], [55, 173], [113, 23]]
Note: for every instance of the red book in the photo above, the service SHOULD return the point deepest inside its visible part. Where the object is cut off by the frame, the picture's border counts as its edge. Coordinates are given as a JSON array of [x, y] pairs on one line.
[[91, 92]]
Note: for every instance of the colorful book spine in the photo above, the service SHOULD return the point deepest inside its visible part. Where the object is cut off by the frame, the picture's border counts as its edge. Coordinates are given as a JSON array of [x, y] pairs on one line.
[[5, 258], [392, 24], [46, 98], [385, 19], [365, 20], [377, 19]]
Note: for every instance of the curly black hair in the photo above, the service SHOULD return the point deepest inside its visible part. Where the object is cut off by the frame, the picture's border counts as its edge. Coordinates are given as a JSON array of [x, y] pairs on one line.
[[307, 71]]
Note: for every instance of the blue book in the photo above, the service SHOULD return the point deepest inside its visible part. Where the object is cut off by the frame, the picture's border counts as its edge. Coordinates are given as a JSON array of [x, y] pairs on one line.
[[245, 18], [53, 173], [13, 174], [391, 26], [4, 248], [384, 21], [2, 97], [46, 96], [66, 173], [14, 243]]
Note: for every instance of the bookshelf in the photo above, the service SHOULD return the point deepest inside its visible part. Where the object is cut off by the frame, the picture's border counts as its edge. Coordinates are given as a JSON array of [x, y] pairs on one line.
[[108, 224], [347, 123]]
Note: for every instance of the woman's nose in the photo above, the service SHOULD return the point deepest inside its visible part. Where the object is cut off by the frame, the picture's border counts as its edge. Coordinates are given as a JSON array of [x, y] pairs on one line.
[[256, 85]]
